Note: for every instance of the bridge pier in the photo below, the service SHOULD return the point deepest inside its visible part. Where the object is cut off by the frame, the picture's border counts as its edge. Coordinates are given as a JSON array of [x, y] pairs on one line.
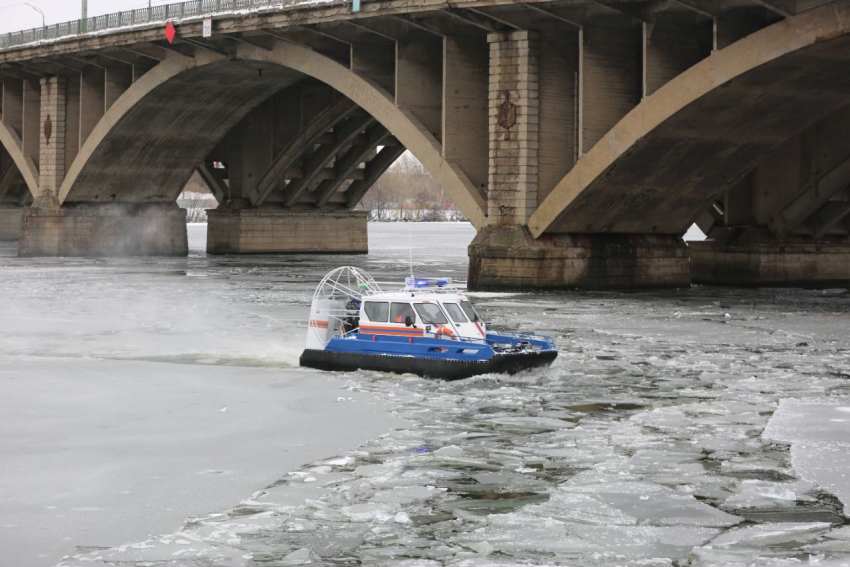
[[10, 223], [285, 231], [104, 229], [750, 257], [526, 160], [786, 222], [509, 257]]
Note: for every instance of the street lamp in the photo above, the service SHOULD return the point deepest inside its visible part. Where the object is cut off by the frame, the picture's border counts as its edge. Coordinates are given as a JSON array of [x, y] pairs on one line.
[[43, 22]]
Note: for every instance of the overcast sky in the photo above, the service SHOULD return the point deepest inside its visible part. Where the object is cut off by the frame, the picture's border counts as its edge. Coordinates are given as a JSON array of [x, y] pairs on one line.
[[15, 15]]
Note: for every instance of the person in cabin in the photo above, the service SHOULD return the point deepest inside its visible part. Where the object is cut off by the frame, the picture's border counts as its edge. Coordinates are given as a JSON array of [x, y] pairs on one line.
[[402, 311], [352, 320]]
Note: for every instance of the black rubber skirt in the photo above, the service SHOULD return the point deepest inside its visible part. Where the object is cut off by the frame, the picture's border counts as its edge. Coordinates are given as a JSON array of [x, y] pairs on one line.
[[502, 363]]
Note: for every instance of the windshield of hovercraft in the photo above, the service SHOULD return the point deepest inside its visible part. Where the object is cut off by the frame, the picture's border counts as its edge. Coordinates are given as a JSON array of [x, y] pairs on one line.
[[455, 312], [431, 314], [470, 311]]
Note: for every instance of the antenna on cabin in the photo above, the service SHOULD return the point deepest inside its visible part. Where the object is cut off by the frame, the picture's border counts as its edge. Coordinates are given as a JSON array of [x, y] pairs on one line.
[[410, 248]]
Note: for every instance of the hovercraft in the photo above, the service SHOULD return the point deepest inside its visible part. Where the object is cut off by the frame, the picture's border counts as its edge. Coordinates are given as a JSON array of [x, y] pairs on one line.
[[428, 328]]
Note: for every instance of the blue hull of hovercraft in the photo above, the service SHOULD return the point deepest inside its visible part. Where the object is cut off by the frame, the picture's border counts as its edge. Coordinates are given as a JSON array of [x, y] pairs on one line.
[[434, 357]]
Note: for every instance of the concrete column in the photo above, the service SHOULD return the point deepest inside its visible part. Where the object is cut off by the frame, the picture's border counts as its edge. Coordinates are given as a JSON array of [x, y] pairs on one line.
[[730, 27], [418, 87], [288, 117], [465, 107], [558, 121], [31, 122], [257, 148], [92, 92], [13, 100], [72, 119], [376, 61], [235, 164], [283, 231], [610, 78], [738, 203], [671, 45], [512, 196], [52, 146], [116, 81]]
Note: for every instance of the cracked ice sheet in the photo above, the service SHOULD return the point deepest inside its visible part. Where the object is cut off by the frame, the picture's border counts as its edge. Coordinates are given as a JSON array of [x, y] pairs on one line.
[[819, 433], [745, 544], [754, 493], [616, 518], [647, 502], [513, 533]]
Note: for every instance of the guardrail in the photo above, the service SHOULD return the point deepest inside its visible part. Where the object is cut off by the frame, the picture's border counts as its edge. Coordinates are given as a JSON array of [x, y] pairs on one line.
[[140, 17]]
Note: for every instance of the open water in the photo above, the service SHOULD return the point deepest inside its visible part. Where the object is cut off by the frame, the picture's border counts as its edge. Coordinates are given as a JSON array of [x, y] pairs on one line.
[[644, 444]]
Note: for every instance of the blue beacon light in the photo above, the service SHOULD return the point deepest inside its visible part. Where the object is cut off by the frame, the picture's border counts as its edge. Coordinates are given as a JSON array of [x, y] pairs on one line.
[[420, 283]]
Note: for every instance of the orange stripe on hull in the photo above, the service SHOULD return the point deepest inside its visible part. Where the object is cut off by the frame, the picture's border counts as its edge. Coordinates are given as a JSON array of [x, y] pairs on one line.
[[392, 331]]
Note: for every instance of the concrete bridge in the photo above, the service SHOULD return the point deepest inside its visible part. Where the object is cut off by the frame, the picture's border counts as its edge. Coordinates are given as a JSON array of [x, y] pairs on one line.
[[581, 138]]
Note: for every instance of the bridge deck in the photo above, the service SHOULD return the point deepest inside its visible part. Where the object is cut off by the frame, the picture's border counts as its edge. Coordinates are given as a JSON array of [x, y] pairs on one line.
[[238, 16]]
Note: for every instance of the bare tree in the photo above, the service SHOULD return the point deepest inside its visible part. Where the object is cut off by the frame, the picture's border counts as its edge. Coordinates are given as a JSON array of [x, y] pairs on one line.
[[196, 205], [377, 202], [196, 198], [407, 192]]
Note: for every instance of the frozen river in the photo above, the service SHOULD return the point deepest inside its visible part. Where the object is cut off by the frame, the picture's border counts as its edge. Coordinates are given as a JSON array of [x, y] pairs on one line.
[[702, 426]]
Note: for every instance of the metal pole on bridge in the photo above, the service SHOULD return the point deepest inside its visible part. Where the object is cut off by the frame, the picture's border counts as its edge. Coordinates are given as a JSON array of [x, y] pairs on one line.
[[85, 16], [43, 21]]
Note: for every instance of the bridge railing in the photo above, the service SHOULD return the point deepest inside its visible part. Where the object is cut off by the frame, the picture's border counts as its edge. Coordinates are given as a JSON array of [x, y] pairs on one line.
[[139, 17]]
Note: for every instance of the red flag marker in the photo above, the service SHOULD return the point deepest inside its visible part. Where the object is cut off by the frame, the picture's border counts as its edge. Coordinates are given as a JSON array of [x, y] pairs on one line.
[[170, 32]]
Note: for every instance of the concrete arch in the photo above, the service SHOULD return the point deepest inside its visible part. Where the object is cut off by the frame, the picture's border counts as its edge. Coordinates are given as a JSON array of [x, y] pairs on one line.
[[12, 143], [80, 185], [666, 160], [378, 103]]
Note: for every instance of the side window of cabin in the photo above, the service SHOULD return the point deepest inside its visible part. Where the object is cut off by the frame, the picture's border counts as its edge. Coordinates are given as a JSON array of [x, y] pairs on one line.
[[431, 314], [455, 312], [400, 311], [376, 311], [470, 311]]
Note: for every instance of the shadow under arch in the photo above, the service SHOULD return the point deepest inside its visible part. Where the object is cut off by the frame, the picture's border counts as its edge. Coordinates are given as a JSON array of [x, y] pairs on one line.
[[176, 113], [12, 143], [675, 152]]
